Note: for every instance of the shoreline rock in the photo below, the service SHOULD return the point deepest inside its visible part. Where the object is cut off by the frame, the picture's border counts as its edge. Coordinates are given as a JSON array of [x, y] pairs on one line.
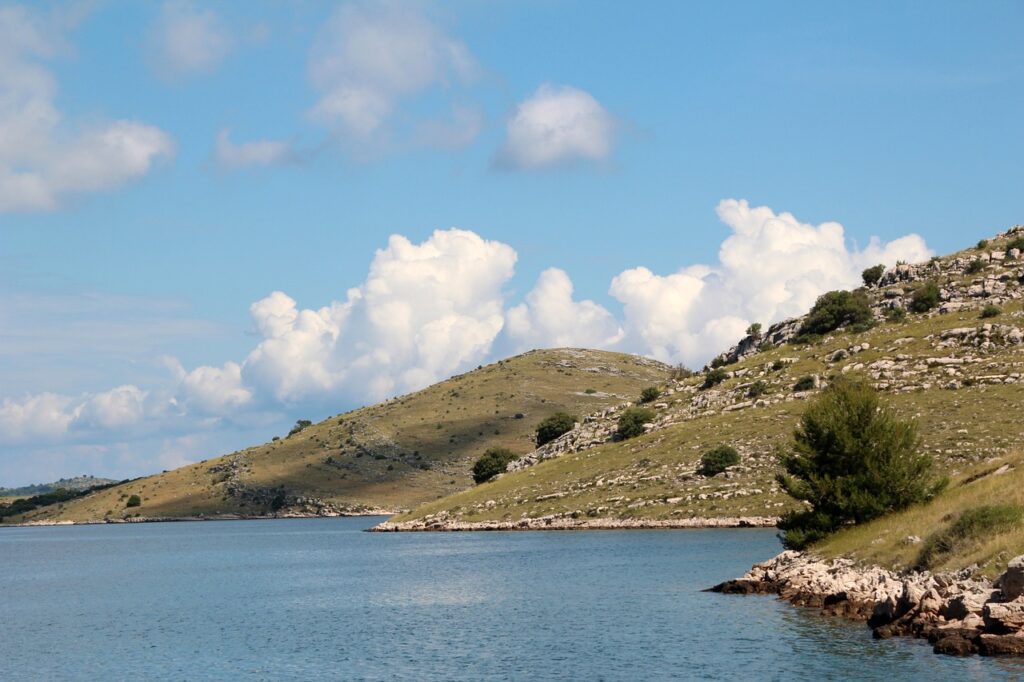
[[957, 614], [568, 523], [184, 519]]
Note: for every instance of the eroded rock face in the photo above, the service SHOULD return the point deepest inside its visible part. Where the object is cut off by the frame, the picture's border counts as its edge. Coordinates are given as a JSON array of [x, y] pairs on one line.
[[959, 615], [1012, 581]]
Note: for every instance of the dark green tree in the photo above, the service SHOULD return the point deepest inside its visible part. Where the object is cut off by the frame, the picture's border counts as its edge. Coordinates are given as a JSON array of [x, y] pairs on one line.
[[925, 297], [872, 275], [718, 459], [650, 394], [133, 501], [714, 377], [833, 310], [492, 463], [632, 420], [300, 425], [853, 460], [554, 426]]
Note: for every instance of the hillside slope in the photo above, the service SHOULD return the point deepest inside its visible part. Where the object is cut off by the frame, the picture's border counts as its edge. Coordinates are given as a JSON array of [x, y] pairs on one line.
[[75, 483], [394, 455], [954, 370]]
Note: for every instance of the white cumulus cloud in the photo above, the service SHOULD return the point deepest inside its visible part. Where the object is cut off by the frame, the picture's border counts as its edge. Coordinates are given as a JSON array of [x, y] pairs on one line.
[[550, 318], [771, 267], [424, 311], [186, 40], [557, 126], [43, 160], [370, 56]]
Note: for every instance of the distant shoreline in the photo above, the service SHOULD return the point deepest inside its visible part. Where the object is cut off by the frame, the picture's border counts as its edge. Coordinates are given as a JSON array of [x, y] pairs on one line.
[[561, 523], [186, 519]]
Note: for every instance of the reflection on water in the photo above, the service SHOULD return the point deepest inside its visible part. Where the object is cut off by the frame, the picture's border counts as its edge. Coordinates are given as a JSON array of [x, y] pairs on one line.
[[319, 599]]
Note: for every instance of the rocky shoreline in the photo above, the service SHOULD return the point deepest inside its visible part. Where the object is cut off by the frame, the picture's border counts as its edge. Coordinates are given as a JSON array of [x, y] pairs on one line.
[[957, 614], [569, 523], [183, 519]]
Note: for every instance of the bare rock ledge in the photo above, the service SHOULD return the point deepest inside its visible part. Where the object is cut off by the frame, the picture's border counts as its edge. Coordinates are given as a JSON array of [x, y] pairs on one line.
[[957, 614], [569, 523]]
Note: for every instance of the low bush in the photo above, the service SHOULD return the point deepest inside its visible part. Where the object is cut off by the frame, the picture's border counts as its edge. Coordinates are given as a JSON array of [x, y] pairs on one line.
[[650, 394], [632, 420], [492, 463], [714, 377], [975, 266], [971, 526], [554, 426], [300, 425], [982, 243], [833, 310], [895, 314], [872, 275], [133, 501], [1017, 243], [758, 388], [754, 330], [989, 311], [804, 383], [717, 460], [925, 297]]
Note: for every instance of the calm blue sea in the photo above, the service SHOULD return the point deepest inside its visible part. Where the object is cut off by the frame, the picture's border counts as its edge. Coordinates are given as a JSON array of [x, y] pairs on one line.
[[312, 599]]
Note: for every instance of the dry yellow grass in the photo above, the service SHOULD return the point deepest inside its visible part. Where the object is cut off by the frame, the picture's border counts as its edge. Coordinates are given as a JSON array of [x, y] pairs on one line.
[[999, 481]]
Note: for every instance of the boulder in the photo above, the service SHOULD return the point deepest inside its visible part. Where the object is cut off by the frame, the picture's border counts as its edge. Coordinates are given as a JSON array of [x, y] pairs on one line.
[[1006, 617], [1012, 581]]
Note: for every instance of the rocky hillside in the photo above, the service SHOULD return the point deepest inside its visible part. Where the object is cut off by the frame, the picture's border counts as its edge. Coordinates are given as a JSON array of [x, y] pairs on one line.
[[390, 456], [75, 483], [955, 366]]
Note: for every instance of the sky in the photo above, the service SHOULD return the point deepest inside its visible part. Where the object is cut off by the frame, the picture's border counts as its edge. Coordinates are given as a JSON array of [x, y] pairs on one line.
[[218, 218]]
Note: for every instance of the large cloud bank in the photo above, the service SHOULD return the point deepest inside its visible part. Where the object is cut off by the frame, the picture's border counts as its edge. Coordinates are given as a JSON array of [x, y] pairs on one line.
[[426, 311]]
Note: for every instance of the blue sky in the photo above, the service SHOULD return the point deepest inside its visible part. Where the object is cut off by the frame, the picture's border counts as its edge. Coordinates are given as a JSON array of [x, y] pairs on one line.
[[597, 138]]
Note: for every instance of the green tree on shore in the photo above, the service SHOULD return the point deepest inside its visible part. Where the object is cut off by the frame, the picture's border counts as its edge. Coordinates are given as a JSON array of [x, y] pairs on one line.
[[852, 460]]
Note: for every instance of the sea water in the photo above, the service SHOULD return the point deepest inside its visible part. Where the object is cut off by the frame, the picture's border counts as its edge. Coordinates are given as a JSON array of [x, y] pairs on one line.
[[319, 599]]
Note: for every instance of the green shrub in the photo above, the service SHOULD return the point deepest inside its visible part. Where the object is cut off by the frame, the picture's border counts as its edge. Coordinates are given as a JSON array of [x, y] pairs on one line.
[[777, 365], [133, 501], [872, 275], [718, 362], [833, 310], [714, 377], [300, 425], [989, 311], [492, 463], [925, 297], [982, 243], [632, 420], [1017, 243], [717, 460], [650, 394], [804, 383], [971, 526], [852, 460], [975, 266], [896, 314], [590, 391], [758, 388], [754, 330], [554, 426]]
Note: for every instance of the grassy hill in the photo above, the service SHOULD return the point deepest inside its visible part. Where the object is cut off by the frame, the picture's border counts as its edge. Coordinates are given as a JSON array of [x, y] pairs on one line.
[[956, 369], [394, 455], [978, 522]]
